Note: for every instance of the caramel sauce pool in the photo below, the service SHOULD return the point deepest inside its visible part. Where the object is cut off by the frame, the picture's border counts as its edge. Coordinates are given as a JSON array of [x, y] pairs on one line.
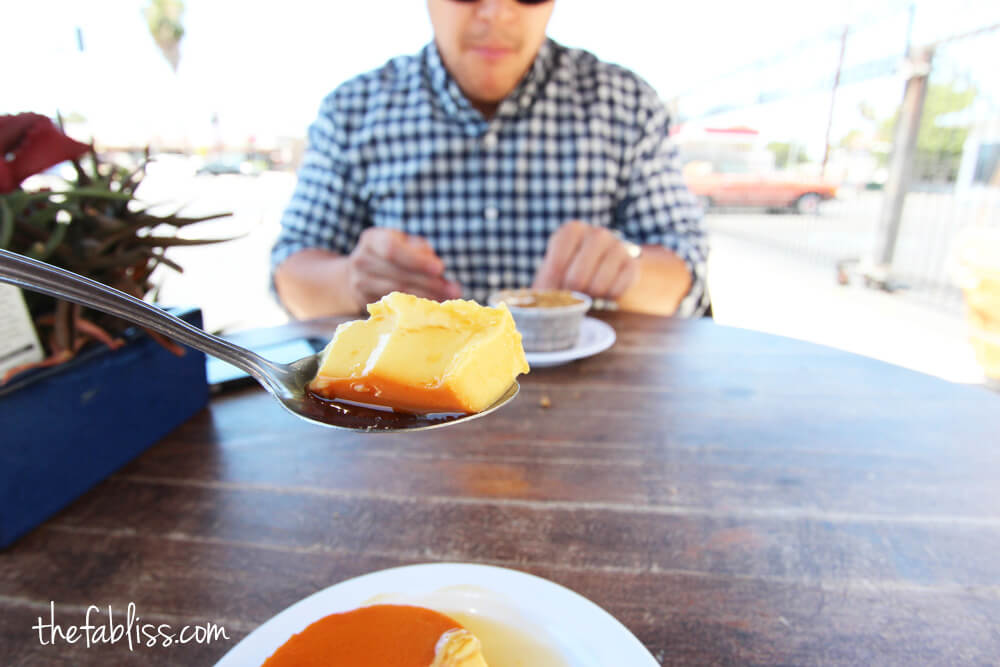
[[351, 415], [405, 636], [532, 298], [376, 636]]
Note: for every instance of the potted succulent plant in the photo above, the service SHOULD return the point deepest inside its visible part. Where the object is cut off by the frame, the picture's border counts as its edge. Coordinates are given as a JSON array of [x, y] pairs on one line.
[[103, 391]]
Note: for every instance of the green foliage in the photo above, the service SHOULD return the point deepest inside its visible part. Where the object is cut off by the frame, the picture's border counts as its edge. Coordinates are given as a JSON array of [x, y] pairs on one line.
[[94, 227], [163, 17], [851, 139], [787, 154], [931, 138]]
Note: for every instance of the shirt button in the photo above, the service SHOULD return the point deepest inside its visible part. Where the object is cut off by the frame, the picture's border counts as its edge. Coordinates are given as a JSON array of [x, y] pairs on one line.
[[490, 141], [491, 213]]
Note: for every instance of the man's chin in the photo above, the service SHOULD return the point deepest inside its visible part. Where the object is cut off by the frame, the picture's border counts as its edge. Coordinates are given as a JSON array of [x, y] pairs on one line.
[[489, 92]]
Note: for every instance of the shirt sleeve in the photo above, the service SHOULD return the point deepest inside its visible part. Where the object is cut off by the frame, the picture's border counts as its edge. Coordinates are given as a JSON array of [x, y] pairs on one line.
[[326, 210], [658, 209]]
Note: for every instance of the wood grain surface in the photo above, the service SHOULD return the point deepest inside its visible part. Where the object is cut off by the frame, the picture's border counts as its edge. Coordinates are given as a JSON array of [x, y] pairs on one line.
[[732, 497]]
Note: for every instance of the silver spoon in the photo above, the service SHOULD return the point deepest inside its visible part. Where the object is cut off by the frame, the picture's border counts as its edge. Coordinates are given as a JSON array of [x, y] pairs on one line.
[[286, 382]]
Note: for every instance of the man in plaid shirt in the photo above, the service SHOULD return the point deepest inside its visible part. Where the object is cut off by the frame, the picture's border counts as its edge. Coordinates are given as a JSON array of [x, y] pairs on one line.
[[494, 158]]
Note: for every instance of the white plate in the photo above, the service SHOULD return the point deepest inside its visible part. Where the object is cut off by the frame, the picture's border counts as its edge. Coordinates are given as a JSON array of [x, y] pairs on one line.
[[582, 633], [595, 336]]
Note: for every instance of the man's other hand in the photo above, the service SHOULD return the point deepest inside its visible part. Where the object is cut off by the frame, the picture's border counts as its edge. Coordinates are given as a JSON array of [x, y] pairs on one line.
[[588, 259], [387, 260]]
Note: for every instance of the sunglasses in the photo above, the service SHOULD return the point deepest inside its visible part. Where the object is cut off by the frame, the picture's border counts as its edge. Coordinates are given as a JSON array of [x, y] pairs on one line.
[[520, 2]]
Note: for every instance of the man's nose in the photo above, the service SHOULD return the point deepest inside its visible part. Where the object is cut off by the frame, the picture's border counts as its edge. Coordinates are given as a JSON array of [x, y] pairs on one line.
[[496, 10]]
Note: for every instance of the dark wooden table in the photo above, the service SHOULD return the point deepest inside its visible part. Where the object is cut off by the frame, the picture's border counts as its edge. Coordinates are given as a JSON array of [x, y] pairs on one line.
[[731, 497]]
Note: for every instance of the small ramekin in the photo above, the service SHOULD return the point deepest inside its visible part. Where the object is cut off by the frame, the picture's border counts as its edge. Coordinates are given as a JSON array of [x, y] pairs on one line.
[[545, 328]]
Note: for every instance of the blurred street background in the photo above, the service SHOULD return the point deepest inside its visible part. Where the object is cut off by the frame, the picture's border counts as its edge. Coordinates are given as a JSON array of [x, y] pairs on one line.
[[843, 153]]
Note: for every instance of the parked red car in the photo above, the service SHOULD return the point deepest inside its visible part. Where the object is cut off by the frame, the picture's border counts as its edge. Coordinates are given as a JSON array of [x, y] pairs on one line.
[[786, 191]]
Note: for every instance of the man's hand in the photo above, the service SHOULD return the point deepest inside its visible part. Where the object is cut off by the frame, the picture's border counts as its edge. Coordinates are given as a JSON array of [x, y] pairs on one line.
[[387, 260], [587, 259]]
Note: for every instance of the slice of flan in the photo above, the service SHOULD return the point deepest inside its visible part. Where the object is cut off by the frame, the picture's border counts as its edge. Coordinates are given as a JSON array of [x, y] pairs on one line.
[[422, 356], [381, 636]]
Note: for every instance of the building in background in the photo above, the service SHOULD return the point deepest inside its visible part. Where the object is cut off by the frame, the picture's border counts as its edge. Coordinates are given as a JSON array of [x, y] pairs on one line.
[[980, 167]]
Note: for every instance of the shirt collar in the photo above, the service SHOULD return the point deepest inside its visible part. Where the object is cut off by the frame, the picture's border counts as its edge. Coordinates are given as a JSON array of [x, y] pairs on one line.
[[455, 104], [531, 86]]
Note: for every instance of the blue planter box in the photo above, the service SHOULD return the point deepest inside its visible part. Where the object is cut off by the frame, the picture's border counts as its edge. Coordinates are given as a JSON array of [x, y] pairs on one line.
[[63, 430]]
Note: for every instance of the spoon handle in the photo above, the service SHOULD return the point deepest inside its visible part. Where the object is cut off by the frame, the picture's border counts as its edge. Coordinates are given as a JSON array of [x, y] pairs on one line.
[[38, 276]]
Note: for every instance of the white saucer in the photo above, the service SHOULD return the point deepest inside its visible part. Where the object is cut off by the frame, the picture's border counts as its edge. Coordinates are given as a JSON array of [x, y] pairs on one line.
[[595, 336], [579, 631]]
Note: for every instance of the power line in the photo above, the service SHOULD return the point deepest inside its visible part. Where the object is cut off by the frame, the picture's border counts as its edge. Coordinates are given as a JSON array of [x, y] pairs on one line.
[[829, 35], [965, 35], [872, 69]]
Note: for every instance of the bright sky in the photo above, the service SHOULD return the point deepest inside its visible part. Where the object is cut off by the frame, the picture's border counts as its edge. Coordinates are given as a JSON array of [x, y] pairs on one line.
[[264, 67]]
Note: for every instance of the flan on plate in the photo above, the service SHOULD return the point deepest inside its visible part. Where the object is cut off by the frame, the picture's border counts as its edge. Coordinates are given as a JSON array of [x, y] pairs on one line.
[[381, 635]]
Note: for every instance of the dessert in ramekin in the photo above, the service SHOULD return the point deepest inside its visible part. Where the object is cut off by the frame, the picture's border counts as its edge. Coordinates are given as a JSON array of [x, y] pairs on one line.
[[548, 320]]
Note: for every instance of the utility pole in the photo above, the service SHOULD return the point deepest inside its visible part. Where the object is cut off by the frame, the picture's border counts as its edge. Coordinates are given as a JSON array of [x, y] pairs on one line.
[[904, 147], [833, 98], [909, 29]]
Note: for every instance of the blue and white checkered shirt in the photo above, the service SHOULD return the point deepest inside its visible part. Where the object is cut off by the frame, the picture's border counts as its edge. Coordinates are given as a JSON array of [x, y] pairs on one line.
[[578, 139]]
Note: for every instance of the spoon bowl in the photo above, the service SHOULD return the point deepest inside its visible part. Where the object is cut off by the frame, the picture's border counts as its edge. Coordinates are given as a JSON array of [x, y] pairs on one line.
[[288, 383]]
